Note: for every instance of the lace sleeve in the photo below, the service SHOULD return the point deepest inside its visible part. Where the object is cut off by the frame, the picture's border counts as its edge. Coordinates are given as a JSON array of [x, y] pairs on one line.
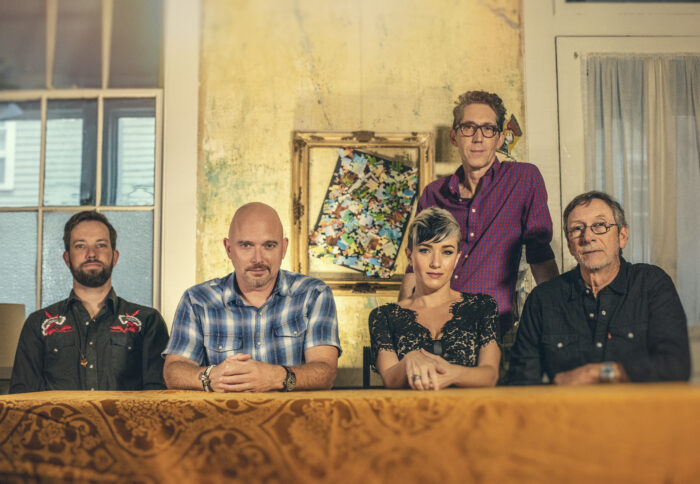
[[379, 334], [487, 326]]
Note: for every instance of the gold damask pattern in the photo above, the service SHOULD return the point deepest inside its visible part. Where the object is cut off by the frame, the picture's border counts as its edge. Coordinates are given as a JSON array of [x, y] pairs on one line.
[[621, 433]]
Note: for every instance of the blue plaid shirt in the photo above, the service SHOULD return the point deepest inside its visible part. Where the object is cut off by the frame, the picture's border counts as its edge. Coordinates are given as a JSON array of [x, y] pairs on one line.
[[213, 321]]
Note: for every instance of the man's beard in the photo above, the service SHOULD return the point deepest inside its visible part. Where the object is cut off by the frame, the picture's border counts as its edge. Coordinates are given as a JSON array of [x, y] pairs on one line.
[[258, 282], [92, 277]]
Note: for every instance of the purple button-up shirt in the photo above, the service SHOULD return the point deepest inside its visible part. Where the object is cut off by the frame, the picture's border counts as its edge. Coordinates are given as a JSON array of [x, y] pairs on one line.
[[508, 211]]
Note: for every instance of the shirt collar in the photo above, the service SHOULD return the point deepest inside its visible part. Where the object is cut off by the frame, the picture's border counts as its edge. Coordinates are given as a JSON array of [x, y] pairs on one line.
[[110, 301], [458, 176], [281, 288], [618, 285]]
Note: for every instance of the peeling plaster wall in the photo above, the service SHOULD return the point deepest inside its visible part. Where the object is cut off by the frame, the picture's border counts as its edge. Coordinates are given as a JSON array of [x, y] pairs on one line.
[[268, 68]]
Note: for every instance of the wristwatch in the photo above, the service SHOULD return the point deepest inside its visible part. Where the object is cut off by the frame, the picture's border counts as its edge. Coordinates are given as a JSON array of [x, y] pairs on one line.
[[204, 378], [607, 372], [290, 381]]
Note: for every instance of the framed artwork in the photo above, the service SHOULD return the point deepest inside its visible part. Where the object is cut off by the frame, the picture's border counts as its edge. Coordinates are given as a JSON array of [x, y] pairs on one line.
[[353, 197]]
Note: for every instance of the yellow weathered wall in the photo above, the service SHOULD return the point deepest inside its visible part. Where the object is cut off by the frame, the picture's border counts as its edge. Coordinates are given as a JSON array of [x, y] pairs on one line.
[[271, 67]]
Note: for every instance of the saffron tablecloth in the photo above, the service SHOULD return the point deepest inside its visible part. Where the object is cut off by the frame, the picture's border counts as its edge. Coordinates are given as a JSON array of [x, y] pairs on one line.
[[615, 433]]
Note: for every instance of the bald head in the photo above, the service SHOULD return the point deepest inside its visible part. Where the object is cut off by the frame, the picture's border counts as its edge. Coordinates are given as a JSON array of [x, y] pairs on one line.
[[255, 213], [256, 245]]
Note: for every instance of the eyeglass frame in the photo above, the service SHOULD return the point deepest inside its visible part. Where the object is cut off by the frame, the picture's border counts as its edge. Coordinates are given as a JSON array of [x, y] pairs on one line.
[[584, 227], [477, 127]]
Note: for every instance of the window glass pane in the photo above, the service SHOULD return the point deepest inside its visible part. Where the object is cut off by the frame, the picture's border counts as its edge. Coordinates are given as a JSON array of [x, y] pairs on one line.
[[71, 148], [128, 154], [56, 279], [77, 59], [136, 41], [133, 276], [18, 258], [23, 44], [20, 123]]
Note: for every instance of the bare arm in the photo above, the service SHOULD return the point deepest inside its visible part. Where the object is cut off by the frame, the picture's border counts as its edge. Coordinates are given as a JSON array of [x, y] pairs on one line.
[[483, 375], [181, 373], [415, 370], [544, 271], [240, 373], [407, 285]]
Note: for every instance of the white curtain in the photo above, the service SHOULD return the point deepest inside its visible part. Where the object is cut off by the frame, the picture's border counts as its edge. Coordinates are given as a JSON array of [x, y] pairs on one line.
[[642, 139]]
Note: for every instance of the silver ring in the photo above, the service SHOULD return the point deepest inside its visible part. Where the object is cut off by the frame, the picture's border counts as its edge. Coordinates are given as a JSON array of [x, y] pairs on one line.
[[416, 378]]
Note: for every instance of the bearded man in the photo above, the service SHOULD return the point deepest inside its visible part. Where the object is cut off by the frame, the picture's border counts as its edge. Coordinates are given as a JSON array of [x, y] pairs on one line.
[[93, 340]]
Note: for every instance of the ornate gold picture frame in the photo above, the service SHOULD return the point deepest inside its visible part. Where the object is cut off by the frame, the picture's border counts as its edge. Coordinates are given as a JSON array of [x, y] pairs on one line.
[[314, 157]]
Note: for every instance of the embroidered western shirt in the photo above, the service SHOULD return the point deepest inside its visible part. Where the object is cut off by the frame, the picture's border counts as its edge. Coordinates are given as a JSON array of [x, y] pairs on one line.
[[509, 211], [637, 320], [120, 349], [213, 321]]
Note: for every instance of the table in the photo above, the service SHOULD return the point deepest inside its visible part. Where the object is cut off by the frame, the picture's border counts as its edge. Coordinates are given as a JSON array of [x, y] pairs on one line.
[[614, 433]]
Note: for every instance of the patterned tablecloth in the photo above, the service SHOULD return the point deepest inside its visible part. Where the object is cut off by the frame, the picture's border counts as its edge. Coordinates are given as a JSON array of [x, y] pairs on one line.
[[617, 433]]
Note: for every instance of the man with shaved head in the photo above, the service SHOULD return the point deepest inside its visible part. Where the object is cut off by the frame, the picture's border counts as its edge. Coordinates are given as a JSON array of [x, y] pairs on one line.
[[259, 328]]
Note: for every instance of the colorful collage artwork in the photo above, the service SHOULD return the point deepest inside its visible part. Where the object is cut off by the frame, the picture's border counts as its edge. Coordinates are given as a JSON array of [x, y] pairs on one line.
[[365, 212]]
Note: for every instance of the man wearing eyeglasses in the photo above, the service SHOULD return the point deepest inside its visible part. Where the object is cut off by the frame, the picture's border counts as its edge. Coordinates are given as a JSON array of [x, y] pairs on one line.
[[606, 320], [500, 206]]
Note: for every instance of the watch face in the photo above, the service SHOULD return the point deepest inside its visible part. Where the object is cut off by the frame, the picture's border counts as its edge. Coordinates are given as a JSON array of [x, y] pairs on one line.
[[291, 381], [607, 372]]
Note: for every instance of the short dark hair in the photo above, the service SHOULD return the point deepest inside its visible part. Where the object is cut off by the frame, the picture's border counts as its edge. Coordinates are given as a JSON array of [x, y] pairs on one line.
[[586, 198], [433, 224], [479, 97], [85, 216]]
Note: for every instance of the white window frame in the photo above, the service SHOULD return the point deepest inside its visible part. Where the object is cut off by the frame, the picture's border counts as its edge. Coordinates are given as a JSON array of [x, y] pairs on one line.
[[7, 181], [49, 94]]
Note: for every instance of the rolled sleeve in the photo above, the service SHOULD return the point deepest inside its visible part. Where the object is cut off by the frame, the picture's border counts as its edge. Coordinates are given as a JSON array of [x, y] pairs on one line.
[[186, 337], [537, 223], [322, 320]]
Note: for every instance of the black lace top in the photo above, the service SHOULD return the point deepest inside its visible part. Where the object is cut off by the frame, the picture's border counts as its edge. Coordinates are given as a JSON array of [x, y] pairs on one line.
[[473, 325]]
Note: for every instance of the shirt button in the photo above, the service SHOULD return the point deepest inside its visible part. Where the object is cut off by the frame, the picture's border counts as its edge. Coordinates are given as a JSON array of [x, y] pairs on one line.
[[603, 312], [588, 291], [92, 389], [128, 347], [55, 350], [466, 256], [591, 315], [473, 210], [92, 366], [90, 343], [560, 345], [456, 277], [599, 344], [221, 347], [630, 335], [471, 234], [295, 332], [258, 343]]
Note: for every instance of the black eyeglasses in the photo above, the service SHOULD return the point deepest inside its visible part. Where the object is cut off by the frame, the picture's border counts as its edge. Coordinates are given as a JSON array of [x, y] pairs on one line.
[[598, 228], [469, 129]]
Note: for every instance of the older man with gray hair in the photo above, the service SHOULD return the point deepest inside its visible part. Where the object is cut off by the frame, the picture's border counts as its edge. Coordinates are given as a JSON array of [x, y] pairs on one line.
[[607, 320]]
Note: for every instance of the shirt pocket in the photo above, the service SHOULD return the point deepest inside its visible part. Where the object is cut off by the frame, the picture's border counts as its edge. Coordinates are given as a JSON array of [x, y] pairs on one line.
[[60, 347], [218, 348], [125, 359], [292, 328], [624, 341], [562, 352]]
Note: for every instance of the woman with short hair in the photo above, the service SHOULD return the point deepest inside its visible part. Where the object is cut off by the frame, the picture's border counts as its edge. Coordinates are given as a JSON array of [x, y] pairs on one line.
[[437, 337]]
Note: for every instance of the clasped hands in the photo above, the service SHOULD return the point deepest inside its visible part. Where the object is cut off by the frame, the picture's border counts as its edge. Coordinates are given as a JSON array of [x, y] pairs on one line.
[[240, 373], [426, 371]]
